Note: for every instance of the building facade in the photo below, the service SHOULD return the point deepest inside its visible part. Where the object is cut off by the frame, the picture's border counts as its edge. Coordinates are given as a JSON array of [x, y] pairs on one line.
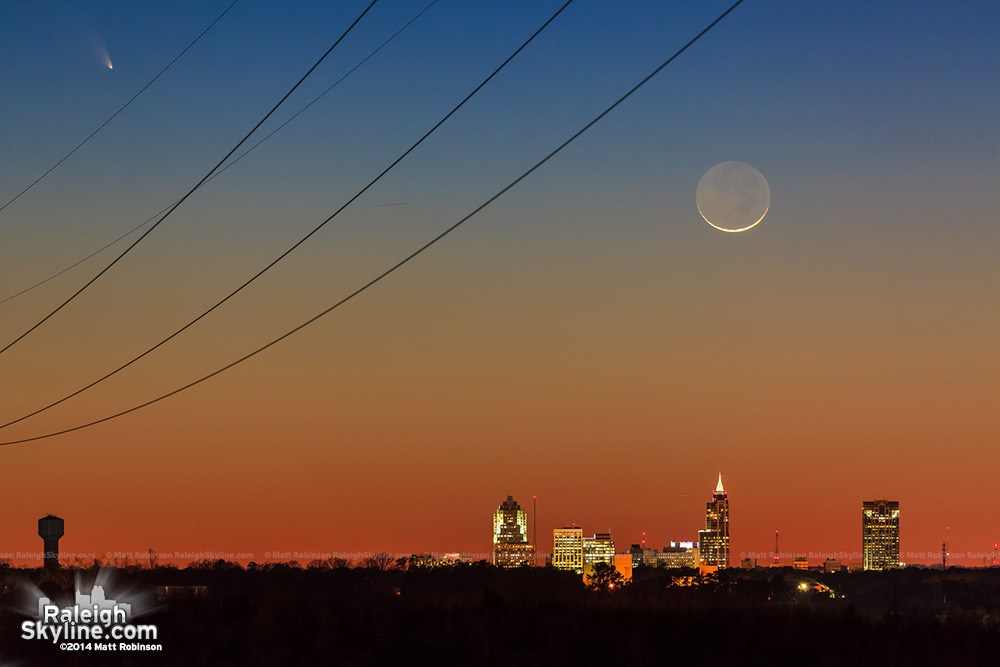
[[567, 549], [880, 534], [510, 536], [713, 542], [598, 549], [678, 554]]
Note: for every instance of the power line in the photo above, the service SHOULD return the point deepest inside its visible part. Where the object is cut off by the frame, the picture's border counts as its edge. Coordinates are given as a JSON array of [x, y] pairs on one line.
[[191, 191], [82, 260], [124, 106], [235, 160], [314, 230], [401, 262]]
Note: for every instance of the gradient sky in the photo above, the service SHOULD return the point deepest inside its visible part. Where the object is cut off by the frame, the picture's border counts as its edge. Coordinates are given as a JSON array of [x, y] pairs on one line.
[[587, 338]]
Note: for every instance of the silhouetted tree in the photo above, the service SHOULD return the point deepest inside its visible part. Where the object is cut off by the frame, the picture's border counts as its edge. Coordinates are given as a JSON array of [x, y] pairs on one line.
[[605, 577], [379, 561]]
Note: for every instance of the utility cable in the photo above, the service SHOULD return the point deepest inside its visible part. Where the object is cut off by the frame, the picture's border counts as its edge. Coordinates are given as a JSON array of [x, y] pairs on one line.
[[234, 161], [124, 106], [377, 279], [311, 233], [191, 191]]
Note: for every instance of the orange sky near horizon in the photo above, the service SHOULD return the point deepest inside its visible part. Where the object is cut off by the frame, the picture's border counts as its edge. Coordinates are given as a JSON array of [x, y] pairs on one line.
[[353, 438]]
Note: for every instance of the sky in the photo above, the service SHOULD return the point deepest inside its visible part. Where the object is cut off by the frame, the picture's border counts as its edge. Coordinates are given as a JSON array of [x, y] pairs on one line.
[[587, 339]]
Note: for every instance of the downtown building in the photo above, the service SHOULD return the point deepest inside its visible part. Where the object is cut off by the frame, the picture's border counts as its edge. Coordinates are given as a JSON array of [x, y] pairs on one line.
[[880, 534], [598, 549], [683, 554], [713, 542], [677, 555], [510, 536], [567, 549]]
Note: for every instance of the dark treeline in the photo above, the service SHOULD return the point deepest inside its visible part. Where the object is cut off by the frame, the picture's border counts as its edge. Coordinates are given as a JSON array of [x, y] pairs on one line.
[[479, 615]]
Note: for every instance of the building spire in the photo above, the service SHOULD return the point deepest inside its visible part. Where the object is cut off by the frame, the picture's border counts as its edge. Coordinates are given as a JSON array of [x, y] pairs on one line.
[[718, 487]]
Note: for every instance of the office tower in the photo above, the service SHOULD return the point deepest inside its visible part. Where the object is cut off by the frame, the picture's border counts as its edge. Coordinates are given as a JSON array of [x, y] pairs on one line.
[[880, 534], [50, 529], [567, 549], [598, 549], [713, 542], [510, 536], [678, 554]]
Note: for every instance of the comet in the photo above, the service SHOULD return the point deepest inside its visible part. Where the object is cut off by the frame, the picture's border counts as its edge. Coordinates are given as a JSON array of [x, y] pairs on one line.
[[101, 51]]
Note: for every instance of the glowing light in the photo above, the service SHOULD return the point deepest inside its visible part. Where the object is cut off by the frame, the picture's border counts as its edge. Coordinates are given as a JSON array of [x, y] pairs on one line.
[[733, 197], [101, 51]]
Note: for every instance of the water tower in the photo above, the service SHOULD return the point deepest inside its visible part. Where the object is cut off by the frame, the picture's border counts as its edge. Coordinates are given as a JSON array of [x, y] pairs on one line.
[[50, 529]]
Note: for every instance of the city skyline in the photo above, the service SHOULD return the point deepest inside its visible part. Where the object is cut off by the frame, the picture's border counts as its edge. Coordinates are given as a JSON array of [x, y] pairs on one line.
[[880, 540], [587, 338], [573, 550]]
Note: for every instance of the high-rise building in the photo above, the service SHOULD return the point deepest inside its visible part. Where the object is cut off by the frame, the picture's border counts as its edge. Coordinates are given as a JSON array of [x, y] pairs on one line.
[[678, 554], [713, 542], [510, 536], [567, 549], [685, 555], [598, 549], [880, 534]]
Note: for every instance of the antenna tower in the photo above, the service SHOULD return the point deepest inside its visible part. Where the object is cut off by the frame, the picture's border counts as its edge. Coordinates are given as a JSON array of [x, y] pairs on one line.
[[534, 527]]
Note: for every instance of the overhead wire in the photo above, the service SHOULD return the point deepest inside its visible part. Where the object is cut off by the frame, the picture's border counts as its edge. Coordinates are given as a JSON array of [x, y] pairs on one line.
[[402, 262], [123, 107], [315, 229], [230, 164], [192, 190]]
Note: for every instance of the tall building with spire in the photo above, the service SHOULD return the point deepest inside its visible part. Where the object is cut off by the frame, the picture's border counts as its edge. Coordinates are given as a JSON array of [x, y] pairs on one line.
[[510, 536], [880, 534], [714, 540]]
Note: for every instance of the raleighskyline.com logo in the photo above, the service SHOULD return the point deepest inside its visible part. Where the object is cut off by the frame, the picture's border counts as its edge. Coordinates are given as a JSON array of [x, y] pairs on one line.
[[94, 623]]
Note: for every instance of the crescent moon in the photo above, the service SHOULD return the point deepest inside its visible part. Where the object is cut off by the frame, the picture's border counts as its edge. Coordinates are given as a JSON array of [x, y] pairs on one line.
[[733, 197]]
